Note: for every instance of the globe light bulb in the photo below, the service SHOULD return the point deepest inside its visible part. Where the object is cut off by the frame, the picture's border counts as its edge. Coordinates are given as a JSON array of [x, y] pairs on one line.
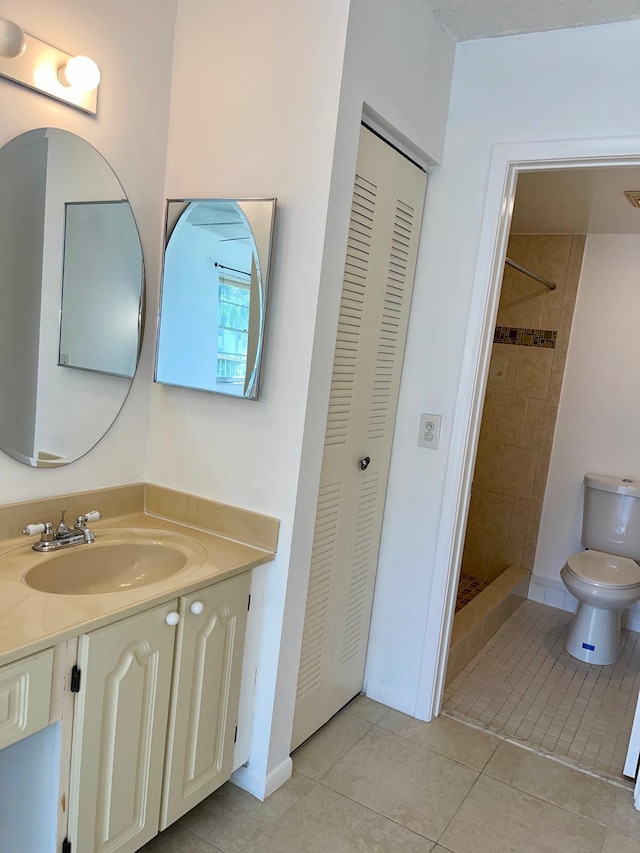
[[80, 73], [12, 41]]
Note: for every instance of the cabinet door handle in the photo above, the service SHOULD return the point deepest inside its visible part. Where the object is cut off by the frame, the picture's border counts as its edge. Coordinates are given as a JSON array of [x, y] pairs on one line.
[[172, 618], [364, 463], [196, 608]]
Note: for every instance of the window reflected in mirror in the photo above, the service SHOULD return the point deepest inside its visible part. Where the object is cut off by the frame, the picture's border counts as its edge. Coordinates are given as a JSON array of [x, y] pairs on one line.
[[214, 295]]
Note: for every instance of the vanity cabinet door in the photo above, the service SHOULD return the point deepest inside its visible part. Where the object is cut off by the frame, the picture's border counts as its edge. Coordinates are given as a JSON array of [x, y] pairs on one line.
[[205, 695], [119, 733]]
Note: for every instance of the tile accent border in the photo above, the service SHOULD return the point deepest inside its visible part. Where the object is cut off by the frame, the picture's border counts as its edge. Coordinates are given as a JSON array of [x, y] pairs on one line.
[[232, 522], [544, 338]]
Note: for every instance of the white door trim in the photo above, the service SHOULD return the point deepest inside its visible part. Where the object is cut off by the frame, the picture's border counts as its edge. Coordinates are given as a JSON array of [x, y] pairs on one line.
[[507, 161]]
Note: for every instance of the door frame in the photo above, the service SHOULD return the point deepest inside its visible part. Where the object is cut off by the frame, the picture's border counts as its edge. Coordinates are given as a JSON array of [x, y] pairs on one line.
[[507, 162]]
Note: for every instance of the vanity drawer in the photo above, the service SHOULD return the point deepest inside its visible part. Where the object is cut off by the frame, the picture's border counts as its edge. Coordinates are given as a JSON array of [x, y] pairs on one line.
[[25, 697]]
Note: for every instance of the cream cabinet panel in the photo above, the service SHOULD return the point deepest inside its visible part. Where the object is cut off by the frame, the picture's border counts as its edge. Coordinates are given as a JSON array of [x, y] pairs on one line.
[[119, 733], [25, 697], [205, 694]]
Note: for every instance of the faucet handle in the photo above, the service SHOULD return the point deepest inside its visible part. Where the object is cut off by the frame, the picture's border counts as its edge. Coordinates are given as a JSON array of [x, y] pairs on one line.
[[92, 515], [44, 528], [32, 529]]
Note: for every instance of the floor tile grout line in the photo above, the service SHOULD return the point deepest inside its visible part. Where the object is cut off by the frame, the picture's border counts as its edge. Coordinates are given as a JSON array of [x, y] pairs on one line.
[[457, 761], [618, 784], [373, 811], [473, 784], [213, 846], [604, 826], [267, 828], [516, 787], [437, 752], [366, 719]]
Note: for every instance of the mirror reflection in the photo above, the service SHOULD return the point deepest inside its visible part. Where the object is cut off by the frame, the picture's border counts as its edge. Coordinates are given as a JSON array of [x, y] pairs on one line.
[[214, 295], [71, 295], [100, 315]]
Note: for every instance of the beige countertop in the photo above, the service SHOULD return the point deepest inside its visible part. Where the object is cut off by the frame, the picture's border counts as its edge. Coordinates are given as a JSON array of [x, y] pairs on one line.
[[31, 620]]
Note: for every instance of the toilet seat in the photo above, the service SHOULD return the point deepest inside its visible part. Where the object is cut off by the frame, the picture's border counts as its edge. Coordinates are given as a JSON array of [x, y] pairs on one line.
[[604, 570]]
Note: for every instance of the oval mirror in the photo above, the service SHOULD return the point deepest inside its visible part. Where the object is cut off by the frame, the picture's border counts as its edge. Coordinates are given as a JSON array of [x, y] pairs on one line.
[[214, 295], [71, 297]]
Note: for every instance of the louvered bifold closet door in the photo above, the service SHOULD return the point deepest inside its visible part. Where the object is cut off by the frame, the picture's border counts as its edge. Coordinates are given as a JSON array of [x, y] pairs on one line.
[[380, 264]]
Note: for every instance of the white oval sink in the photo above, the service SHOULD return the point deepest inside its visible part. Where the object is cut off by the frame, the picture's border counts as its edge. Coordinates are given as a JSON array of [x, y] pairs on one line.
[[112, 566]]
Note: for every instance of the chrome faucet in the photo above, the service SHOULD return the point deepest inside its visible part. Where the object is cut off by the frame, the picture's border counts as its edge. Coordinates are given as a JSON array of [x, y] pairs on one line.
[[63, 536]]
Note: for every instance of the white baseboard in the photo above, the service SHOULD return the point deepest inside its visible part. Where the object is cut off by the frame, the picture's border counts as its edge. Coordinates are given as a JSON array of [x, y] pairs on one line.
[[387, 695], [258, 784]]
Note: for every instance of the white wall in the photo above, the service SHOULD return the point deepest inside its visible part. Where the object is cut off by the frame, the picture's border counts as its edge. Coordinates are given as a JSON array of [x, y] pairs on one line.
[[537, 87], [398, 69], [597, 426], [130, 131], [255, 118], [281, 126]]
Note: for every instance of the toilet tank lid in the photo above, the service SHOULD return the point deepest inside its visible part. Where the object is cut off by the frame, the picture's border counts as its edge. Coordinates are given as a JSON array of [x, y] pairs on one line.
[[620, 485]]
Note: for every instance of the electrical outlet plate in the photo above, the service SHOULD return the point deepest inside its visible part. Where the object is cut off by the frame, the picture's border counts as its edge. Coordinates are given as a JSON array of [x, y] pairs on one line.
[[429, 434]]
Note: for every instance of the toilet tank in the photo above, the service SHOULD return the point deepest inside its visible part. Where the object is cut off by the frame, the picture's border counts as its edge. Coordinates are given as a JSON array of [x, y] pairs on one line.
[[611, 517]]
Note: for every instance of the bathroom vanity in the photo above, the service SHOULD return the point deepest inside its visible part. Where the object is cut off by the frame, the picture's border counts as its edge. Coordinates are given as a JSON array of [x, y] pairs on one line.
[[119, 687], [121, 658]]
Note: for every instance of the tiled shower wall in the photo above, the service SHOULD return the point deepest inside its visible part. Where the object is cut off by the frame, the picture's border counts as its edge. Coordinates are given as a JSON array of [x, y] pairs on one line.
[[521, 403]]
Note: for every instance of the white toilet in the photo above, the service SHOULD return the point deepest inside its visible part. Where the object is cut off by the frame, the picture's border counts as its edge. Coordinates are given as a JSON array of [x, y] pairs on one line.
[[606, 577]]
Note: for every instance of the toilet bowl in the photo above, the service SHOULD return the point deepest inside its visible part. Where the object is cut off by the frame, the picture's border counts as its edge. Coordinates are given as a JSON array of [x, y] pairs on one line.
[[605, 586], [606, 577]]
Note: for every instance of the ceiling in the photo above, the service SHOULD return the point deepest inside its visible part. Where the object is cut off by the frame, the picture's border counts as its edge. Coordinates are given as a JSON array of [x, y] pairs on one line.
[[476, 19], [576, 201]]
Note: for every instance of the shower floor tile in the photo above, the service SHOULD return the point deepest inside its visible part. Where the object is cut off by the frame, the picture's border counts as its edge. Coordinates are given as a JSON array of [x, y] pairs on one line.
[[468, 587], [524, 686]]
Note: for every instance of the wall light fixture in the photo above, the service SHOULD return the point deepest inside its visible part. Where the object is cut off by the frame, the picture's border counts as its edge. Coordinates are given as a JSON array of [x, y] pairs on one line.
[[12, 40], [39, 66]]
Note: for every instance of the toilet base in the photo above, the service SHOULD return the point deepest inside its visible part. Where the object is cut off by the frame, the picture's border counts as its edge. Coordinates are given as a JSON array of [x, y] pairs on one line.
[[595, 635]]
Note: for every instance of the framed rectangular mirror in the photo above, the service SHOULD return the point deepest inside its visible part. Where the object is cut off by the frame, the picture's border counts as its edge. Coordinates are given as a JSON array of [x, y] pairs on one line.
[[214, 294]]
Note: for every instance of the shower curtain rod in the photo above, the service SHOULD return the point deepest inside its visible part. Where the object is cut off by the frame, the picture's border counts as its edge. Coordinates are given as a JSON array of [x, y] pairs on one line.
[[539, 278]]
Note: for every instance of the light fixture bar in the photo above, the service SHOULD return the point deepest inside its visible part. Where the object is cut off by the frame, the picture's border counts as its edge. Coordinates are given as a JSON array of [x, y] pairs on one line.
[[37, 68]]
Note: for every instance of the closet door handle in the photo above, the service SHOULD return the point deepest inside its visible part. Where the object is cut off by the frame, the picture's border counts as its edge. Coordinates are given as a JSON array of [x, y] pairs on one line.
[[364, 463]]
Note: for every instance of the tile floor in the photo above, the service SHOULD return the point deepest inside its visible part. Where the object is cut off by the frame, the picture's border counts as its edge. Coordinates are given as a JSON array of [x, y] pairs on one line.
[[524, 686], [469, 586], [376, 781]]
